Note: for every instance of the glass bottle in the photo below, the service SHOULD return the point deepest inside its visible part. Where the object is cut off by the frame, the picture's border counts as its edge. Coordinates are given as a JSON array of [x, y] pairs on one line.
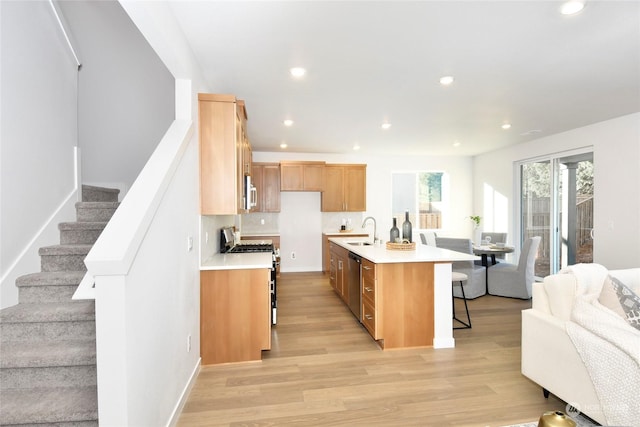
[[406, 227], [394, 233]]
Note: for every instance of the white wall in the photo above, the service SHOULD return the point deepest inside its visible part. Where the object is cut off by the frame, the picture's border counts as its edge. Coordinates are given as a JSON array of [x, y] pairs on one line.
[[300, 231], [126, 93], [162, 303], [616, 146], [37, 138], [145, 376]]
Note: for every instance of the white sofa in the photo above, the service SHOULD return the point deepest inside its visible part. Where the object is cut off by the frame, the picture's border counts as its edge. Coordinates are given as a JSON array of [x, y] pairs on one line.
[[549, 356]]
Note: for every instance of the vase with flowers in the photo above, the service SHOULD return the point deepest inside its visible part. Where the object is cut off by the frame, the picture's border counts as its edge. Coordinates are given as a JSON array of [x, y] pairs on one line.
[[476, 227]]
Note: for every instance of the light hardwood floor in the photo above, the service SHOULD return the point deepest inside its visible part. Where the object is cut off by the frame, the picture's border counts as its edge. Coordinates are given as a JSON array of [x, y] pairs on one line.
[[325, 370]]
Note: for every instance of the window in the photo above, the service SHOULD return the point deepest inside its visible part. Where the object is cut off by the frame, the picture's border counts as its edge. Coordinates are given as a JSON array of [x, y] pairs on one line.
[[423, 194]]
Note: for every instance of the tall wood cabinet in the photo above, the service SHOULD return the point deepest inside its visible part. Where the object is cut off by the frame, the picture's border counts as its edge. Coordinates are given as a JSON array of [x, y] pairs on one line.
[[345, 188], [225, 154], [266, 179]]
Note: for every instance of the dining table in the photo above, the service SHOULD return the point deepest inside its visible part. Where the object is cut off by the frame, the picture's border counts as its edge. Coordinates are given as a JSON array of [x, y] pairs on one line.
[[486, 251]]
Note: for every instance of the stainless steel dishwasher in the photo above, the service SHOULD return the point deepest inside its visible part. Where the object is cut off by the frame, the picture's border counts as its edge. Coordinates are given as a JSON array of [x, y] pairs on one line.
[[355, 292]]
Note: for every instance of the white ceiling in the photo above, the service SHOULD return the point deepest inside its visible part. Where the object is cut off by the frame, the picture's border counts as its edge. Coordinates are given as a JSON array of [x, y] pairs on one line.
[[368, 62]]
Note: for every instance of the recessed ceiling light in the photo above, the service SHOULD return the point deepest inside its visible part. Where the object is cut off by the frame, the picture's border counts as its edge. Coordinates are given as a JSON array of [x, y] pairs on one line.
[[446, 80], [288, 122], [386, 126], [283, 145], [506, 126], [572, 7], [457, 144], [298, 72], [530, 132], [356, 147]]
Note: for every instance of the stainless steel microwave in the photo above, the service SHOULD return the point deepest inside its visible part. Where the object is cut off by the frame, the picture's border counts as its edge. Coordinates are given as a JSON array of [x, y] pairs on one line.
[[250, 196]]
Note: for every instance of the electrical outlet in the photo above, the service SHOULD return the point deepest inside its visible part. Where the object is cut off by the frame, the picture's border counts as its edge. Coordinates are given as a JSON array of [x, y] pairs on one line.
[[189, 243], [293, 255], [188, 343], [206, 237], [261, 221]]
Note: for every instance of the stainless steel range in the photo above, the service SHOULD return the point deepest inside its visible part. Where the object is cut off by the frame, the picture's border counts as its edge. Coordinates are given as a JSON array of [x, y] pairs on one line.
[[228, 245]]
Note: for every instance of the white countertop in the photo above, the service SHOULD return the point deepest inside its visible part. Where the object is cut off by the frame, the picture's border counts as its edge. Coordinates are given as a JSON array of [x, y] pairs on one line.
[[238, 261], [339, 233], [379, 254]]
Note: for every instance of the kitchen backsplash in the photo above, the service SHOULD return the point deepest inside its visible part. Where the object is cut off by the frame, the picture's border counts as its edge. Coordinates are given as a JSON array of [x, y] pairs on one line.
[[331, 221], [269, 223], [260, 223]]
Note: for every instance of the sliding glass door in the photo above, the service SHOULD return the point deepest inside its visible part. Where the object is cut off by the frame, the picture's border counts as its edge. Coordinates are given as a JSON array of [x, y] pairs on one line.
[[537, 210], [556, 203]]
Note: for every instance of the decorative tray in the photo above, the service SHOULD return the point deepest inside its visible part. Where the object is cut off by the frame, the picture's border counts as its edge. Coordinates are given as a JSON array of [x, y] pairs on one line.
[[401, 246], [346, 231]]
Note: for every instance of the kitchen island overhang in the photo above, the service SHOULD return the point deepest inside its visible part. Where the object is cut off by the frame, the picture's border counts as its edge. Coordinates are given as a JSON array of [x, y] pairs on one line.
[[413, 304]]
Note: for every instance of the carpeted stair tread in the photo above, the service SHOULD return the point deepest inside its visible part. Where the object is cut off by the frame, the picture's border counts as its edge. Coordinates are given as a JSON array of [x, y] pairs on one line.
[[48, 405], [48, 345], [96, 225], [49, 312], [51, 278], [60, 250], [97, 205], [38, 354]]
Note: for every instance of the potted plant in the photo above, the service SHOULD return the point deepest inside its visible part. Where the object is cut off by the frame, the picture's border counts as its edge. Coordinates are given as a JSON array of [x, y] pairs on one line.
[[476, 225]]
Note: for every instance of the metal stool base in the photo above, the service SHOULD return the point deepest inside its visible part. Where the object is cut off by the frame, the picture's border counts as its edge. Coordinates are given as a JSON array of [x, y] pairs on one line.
[[467, 324]]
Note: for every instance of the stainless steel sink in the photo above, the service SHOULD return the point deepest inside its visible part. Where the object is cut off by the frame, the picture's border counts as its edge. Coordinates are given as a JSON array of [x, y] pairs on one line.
[[359, 243]]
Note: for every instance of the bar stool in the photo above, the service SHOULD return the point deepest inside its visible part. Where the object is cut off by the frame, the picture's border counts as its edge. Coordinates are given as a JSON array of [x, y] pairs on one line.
[[456, 280]]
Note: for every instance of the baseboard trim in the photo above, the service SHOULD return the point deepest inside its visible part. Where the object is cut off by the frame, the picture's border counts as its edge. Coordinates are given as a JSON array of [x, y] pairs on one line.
[[175, 415], [28, 261]]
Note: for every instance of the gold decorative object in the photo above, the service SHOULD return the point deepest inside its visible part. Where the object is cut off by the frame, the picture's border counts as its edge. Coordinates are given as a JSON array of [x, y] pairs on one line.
[[401, 246], [556, 419]]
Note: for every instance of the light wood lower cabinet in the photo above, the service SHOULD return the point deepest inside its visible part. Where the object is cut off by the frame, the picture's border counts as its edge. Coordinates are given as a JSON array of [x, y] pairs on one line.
[[325, 246], [397, 303], [338, 270], [235, 318], [369, 312]]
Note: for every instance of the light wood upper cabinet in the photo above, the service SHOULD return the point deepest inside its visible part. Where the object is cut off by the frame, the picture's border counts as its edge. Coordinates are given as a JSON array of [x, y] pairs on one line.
[[345, 188], [266, 179], [225, 154], [302, 176]]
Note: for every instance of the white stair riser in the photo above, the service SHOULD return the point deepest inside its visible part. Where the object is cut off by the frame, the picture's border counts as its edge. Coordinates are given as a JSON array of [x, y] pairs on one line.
[[47, 331], [34, 294]]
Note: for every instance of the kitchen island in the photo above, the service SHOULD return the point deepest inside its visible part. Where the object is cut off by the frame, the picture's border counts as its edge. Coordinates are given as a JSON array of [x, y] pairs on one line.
[[406, 294]]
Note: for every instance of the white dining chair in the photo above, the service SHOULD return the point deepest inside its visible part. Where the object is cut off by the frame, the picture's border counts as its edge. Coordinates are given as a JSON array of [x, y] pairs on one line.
[[515, 281]]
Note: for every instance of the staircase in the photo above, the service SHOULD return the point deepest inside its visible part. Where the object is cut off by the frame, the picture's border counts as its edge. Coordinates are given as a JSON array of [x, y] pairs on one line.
[[47, 341]]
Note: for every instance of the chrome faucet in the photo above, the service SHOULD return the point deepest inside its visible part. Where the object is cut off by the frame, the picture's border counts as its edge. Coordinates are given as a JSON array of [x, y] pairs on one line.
[[375, 236]]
